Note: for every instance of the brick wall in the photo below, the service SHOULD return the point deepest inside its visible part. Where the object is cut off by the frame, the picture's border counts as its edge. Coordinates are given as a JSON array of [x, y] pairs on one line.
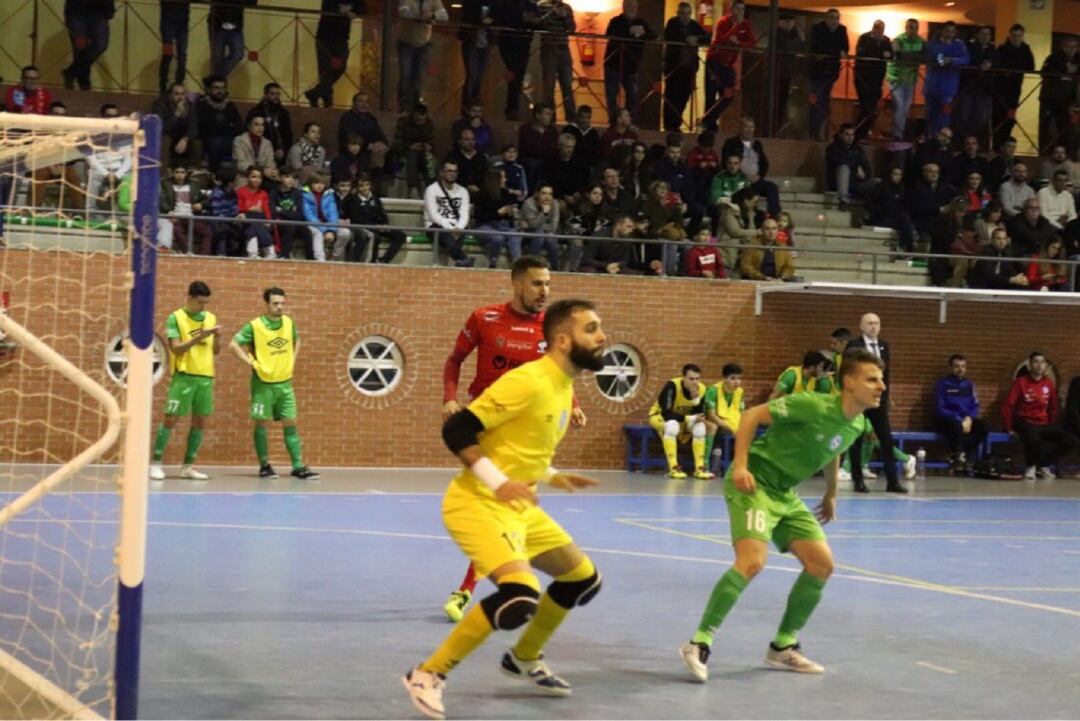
[[670, 321]]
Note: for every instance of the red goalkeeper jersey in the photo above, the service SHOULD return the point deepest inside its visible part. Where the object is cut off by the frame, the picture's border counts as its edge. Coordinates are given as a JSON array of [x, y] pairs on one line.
[[505, 338]]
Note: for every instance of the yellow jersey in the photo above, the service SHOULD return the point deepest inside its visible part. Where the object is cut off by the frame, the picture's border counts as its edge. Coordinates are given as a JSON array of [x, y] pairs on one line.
[[199, 358], [274, 349], [679, 402]]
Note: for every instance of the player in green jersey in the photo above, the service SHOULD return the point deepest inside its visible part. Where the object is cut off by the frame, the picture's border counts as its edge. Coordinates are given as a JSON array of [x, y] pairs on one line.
[[807, 432]]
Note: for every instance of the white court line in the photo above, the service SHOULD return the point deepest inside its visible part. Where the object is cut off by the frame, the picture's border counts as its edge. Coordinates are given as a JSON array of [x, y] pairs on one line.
[[954, 536], [935, 667], [1073, 553], [375, 492], [920, 521]]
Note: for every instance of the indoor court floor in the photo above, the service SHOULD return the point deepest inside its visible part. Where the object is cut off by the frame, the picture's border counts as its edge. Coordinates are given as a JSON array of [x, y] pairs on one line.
[[286, 599]]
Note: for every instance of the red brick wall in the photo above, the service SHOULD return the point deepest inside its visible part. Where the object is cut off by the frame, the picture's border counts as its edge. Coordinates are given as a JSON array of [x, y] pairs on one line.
[[670, 321]]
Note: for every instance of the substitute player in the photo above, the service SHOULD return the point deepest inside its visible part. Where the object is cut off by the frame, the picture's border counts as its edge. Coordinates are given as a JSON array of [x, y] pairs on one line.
[[678, 416], [507, 335], [270, 344], [807, 432], [193, 335], [724, 406], [507, 439], [810, 376]]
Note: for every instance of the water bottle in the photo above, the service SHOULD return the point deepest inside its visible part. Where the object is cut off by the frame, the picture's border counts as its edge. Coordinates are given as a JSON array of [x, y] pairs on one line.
[[920, 465]]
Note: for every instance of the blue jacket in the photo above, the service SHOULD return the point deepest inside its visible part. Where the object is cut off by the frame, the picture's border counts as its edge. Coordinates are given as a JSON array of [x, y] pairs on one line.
[[944, 81], [329, 209], [955, 398]]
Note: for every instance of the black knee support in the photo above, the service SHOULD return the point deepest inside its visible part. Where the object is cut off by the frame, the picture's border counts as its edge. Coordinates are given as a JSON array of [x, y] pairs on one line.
[[511, 606], [575, 593]]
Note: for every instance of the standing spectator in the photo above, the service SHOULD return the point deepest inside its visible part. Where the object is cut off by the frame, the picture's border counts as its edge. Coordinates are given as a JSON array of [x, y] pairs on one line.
[[789, 42], [308, 155], [87, 23], [475, 40], [29, 95], [287, 203], [253, 202], [946, 55], [226, 23], [770, 262], [516, 182], [731, 31], [1016, 191], [320, 209], [218, 121], [252, 148], [999, 169], [975, 102], [332, 47], [278, 123], [359, 120], [848, 170], [1014, 59], [703, 260], [997, 267], [887, 207], [446, 208], [473, 118], [555, 20], [956, 406], [1030, 230], [1046, 271], [540, 214], [682, 36], [1061, 70], [616, 142], [754, 163], [1058, 160], [872, 51], [1056, 202], [173, 25], [870, 340], [903, 74], [494, 212], [1030, 413], [587, 149], [413, 138], [367, 209], [515, 39], [537, 140], [472, 164], [413, 46], [828, 46], [968, 161], [626, 35]]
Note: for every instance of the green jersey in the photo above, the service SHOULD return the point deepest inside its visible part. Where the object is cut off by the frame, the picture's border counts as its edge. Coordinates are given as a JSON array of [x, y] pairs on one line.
[[246, 334], [789, 381], [808, 430], [905, 69]]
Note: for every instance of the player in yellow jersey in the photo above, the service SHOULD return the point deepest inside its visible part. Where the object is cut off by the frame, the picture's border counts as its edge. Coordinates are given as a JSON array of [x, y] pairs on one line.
[[678, 416], [724, 406], [810, 376], [192, 332], [506, 439]]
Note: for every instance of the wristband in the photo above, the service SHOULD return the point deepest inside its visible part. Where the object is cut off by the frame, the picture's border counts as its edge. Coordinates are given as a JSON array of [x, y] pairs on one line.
[[489, 473], [550, 473]]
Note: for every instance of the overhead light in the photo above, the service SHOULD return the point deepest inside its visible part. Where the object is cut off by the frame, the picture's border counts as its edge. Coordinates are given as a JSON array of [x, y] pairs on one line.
[[950, 4]]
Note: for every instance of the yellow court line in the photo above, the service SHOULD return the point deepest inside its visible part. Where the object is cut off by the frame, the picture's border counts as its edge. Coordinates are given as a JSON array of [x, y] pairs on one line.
[[899, 580]]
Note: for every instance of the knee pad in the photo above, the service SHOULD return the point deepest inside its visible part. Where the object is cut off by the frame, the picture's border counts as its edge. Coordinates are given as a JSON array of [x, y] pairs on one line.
[[575, 593], [698, 430], [511, 606], [671, 429]]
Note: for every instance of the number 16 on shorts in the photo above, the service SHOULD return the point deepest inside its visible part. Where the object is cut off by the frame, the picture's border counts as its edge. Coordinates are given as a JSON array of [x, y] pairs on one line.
[[755, 520]]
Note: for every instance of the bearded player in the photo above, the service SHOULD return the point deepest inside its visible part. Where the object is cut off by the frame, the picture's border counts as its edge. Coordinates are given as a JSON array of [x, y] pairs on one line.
[[507, 336]]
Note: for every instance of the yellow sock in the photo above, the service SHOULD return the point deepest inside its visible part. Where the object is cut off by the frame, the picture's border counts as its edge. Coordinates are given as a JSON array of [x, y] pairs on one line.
[[698, 446], [671, 450], [549, 615]]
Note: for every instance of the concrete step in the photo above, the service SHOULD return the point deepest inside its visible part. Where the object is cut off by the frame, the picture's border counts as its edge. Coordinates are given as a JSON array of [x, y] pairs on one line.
[[76, 241], [819, 199], [864, 276], [810, 219], [795, 184]]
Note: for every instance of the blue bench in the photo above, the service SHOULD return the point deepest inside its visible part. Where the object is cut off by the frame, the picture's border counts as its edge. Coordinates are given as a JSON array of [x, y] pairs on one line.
[[641, 439]]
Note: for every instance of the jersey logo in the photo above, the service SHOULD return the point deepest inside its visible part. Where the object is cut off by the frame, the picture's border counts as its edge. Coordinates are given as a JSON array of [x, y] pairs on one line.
[[491, 316], [781, 406], [500, 342], [542, 347], [278, 343], [521, 329], [834, 444]]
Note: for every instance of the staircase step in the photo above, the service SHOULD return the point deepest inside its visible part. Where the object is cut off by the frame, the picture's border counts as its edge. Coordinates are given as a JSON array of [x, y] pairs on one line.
[[818, 218], [864, 276], [795, 184]]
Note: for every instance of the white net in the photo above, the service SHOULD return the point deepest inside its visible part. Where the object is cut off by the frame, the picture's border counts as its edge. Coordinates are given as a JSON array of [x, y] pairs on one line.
[[66, 192]]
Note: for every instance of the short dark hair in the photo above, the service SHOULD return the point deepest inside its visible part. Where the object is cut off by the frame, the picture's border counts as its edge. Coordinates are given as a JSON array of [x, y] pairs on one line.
[[105, 107], [525, 263], [309, 125], [211, 79], [363, 178], [690, 367], [57, 104], [1058, 173], [561, 311], [270, 86], [731, 369], [253, 118], [509, 146], [841, 334], [812, 358], [706, 139], [955, 357], [198, 289], [271, 292], [542, 106], [672, 139], [354, 139], [587, 109], [948, 24], [1017, 26], [857, 356], [28, 68], [1034, 353], [846, 126]]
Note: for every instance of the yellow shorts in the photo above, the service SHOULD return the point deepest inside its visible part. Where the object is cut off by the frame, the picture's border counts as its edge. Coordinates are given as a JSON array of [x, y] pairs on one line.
[[492, 534], [657, 423]]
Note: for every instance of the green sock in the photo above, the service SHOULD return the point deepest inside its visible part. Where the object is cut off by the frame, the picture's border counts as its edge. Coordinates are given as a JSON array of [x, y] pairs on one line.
[[801, 602], [724, 595], [160, 441], [899, 454], [292, 443], [262, 448], [194, 440], [710, 440]]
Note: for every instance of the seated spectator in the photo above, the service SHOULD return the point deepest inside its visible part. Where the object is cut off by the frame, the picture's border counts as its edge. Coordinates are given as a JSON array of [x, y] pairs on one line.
[[617, 199], [967, 161], [366, 208], [278, 122], [951, 233], [614, 250], [516, 182], [482, 132], [887, 207], [413, 138], [1046, 271], [1030, 413], [848, 171], [997, 268], [344, 249], [307, 156], [1074, 169], [770, 262], [224, 204], [589, 216], [179, 129], [587, 149], [350, 164], [359, 120], [754, 164], [974, 193], [472, 164], [704, 164], [105, 169], [181, 196], [674, 171], [1030, 230], [727, 182], [636, 172], [1016, 191], [724, 406], [956, 406], [320, 209], [703, 260], [740, 220], [287, 203], [566, 174], [937, 151], [999, 169], [252, 148], [990, 218], [493, 211], [1058, 160], [786, 234], [537, 141], [678, 415], [446, 209], [929, 198], [540, 214], [28, 95], [253, 202], [1056, 201], [618, 140], [218, 122], [810, 377], [663, 215]]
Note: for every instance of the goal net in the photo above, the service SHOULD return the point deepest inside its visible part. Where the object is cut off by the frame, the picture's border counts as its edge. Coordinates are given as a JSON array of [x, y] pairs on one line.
[[78, 201]]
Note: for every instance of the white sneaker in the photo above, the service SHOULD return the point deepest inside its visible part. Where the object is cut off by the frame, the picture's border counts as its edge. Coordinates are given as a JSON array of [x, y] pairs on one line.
[[535, 671], [909, 468], [843, 476], [1029, 473], [157, 473], [868, 474], [694, 657], [791, 659], [1045, 474], [425, 690], [192, 475]]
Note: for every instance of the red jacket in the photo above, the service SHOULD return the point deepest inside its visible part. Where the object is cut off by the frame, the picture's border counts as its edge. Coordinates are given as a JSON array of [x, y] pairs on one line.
[[726, 31], [1034, 401], [249, 200], [705, 257], [19, 100]]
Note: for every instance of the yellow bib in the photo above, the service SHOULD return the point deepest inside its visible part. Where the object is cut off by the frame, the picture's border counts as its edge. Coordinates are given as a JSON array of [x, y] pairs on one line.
[[274, 350], [682, 404], [199, 359], [730, 413], [801, 385]]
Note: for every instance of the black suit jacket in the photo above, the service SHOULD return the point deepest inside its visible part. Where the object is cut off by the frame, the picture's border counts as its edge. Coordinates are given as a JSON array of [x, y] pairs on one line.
[[883, 347]]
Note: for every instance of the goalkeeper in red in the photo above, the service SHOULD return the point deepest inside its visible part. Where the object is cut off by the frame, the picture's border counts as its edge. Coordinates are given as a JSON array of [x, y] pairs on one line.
[[506, 335], [807, 432]]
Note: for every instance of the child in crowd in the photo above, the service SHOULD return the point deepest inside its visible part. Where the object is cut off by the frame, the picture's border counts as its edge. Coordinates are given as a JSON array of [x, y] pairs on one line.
[[287, 203], [181, 195], [703, 259], [223, 204], [516, 182], [786, 235], [320, 209], [366, 208], [343, 196], [253, 202]]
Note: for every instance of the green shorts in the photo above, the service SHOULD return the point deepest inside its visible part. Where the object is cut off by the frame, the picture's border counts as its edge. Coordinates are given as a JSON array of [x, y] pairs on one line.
[[190, 396], [778, 517], [272, 401]]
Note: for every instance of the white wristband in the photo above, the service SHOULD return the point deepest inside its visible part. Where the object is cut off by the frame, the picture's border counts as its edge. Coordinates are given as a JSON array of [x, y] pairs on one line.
[[489, 473], [550, 473]]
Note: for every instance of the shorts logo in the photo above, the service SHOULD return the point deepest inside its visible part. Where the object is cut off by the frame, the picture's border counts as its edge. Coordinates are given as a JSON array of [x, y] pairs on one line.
[[278, 343], [834, 444], [491, 316]]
